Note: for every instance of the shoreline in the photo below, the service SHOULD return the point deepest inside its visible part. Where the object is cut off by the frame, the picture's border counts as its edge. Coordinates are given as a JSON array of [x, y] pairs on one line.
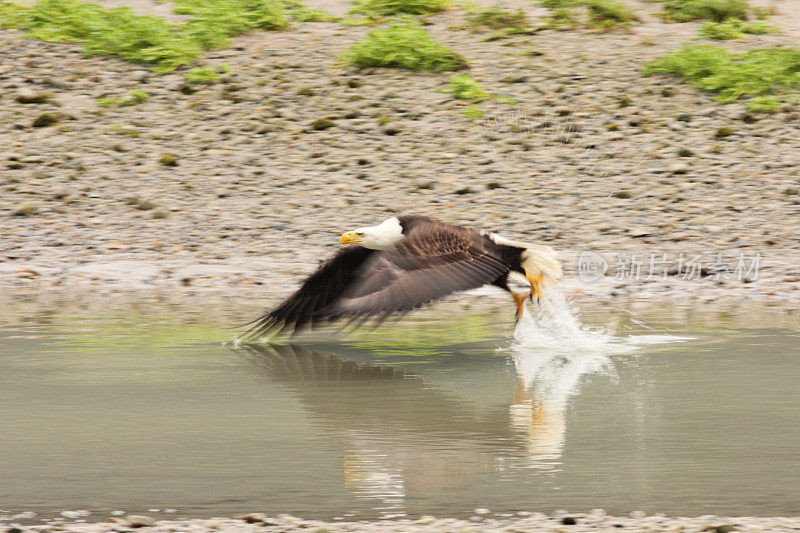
[[560, 521]]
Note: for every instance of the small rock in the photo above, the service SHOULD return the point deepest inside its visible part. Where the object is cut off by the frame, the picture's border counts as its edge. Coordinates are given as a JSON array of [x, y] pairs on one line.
[[46, 119], [621, 194], [425, 520], [678, 168], [254, 518], [685, 152], [14, 528], [139, 75], [25, 210], [723, 131], [482, 510], [168, 160], [724, 528], [391, 130], [32, 97], [568, 521], [135, 520], [160, 214], [322, 124]]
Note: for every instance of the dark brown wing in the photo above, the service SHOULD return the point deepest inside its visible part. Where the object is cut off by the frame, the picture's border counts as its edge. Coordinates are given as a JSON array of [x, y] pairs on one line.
[[428, 264], [318, 292]]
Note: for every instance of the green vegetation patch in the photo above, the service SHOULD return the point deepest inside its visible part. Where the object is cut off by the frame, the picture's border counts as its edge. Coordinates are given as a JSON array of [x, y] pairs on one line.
[[769, 76], [404, 44], [395, 7], [716, 10], [205, 74], [495, 17], [603, 14], [151, 39], [464, 87], [734, 29], [132, 98], [214, 21], [116, 31]]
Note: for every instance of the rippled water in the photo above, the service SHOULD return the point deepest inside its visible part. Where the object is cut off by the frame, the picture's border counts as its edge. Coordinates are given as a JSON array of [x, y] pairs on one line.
[[678, 412]]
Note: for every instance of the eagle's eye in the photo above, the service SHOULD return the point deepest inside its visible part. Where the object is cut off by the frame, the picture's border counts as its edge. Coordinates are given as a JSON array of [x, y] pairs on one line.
[[360, 234]]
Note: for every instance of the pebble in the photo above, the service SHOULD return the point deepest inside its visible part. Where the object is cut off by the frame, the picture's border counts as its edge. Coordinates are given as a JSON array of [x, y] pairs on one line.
[[135, 520]]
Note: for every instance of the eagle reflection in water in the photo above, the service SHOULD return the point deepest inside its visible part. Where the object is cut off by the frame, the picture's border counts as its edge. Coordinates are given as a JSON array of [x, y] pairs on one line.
[[404, 437]]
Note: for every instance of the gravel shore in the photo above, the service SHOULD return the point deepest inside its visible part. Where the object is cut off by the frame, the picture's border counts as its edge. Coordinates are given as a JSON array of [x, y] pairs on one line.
[[594, 156], [597, 520]]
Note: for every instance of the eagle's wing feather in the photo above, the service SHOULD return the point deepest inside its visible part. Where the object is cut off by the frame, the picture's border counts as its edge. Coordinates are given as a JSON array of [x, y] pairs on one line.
[[423, 267], [319, 290]]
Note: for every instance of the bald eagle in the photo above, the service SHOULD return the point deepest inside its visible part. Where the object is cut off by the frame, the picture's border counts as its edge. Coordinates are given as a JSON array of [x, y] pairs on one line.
[[403, 263]]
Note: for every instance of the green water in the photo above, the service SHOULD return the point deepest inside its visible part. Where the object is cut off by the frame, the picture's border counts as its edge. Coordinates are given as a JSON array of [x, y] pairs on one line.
[[433, 415]]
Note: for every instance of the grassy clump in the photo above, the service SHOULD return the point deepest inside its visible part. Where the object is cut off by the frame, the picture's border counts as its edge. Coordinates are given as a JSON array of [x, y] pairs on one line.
[[116, 31], [464, 87], [716, 10], [403, 44], [150, 39], [395, 7], [214, 21], [132, 98], [734, 29], [769, 76], [205, 74], [496, 18], [608, 13], [598, 13]]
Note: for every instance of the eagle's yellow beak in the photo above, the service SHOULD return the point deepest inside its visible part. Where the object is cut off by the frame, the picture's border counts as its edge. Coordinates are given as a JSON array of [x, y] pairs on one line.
[[349, 237]]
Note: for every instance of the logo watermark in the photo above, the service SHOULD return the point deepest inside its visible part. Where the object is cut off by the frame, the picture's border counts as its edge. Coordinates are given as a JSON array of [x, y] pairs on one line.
[[743, 267], [591, 266]]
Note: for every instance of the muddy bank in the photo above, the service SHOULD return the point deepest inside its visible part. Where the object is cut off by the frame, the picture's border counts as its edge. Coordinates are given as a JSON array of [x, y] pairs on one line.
[[593, 157]]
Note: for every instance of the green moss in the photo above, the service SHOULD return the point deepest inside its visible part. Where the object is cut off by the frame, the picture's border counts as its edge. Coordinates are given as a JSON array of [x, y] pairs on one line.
[[149, 39], [394, 7], [463, 87], [473, 111], [403, 44], [716, 10], [602, 14], [116, 31], [769, 75], [734, 29], [214, 21], [132, 98], [608, 13], [201, 75], [495, 17]]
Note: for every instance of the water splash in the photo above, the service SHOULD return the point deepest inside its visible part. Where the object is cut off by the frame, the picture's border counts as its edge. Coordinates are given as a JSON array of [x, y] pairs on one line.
[[554, 327], [553, 354]]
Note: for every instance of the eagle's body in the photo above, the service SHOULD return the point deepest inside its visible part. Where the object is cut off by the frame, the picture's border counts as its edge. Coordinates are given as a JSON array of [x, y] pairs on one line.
[[403, 263]]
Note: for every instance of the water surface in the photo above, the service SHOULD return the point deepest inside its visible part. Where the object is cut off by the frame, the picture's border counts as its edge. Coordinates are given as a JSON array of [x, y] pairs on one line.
[[431, 415]]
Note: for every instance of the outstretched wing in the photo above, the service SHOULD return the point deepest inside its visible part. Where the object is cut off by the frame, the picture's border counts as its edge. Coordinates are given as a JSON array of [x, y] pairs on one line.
[[318, 292], [425, 266]]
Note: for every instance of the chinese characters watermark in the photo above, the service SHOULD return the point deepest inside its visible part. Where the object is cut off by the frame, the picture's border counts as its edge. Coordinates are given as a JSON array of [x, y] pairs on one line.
[[638, 267]]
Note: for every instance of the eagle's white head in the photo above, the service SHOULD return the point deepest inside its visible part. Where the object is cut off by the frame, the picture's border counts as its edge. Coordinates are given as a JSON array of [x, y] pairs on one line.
[[377, 237]]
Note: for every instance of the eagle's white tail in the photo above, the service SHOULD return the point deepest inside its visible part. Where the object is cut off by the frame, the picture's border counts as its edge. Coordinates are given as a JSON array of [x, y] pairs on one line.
[[542, 267]]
